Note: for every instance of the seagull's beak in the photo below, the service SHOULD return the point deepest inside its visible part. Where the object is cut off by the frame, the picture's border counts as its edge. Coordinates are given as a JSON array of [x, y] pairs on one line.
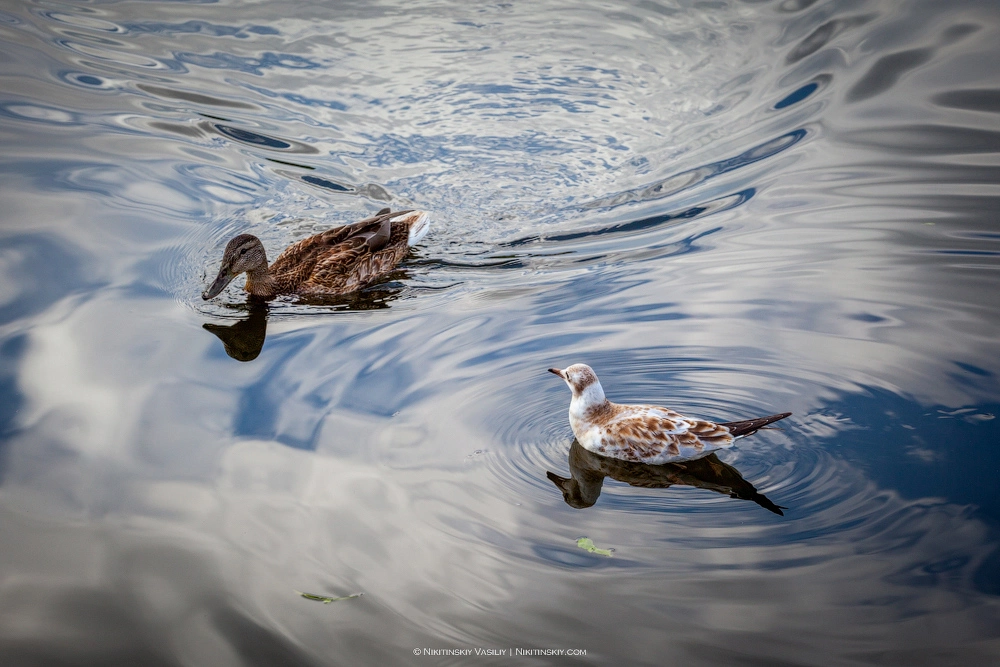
[[556, 371]]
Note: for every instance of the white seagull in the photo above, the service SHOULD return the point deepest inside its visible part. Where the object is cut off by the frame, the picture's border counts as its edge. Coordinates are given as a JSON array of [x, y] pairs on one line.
[[644, 433]]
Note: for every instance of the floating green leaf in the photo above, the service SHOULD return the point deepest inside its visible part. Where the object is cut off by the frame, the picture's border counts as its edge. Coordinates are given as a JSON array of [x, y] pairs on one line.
[[325, 599], [587, 544]]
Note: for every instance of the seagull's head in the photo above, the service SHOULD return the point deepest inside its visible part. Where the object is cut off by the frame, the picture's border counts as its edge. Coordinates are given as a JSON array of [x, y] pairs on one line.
[[582, 381]]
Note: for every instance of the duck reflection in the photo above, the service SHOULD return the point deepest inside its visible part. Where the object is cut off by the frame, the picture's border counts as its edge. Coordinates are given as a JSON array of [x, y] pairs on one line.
[[243, 340], [588, 470]]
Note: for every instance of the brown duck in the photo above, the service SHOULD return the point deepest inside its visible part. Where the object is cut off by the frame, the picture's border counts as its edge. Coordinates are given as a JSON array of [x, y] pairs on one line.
[[334, 262]]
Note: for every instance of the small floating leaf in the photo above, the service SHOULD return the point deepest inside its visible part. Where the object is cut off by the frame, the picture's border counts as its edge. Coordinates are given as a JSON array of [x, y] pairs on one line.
[[587, 544], [325, 599]]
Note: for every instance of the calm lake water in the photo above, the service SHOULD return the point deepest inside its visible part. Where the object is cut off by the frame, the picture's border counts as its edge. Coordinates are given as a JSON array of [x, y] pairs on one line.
[[731, 208]]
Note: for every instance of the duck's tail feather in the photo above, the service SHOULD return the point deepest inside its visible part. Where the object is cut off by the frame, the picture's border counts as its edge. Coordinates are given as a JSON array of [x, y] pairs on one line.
[[751, 426], [419, 223]]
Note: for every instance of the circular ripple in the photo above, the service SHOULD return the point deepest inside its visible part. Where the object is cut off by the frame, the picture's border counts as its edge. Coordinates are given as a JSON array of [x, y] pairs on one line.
[[534, 436]]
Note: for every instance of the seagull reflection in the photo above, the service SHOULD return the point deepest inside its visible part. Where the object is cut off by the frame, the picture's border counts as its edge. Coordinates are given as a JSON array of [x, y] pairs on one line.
[[587, 472], [243, 340]]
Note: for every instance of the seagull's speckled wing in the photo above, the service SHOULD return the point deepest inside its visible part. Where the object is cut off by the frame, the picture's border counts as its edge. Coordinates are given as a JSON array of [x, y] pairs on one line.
[[650, 434]]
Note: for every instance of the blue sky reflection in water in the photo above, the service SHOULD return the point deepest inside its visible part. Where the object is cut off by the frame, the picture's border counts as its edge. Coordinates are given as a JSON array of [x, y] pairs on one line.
[[731, 208]]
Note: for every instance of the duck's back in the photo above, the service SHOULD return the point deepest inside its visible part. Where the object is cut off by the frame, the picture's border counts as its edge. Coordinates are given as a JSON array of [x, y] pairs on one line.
[[339, 260]]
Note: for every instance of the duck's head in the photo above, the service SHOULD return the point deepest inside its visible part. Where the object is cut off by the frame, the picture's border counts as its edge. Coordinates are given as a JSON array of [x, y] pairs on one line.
[[582, 381], [244, 253]]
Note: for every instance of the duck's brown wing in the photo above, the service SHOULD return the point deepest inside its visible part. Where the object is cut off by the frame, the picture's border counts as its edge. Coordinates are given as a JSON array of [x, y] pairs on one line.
[[300, 258], [338, 235], [336, 271], [378, 223], [352, 265], [343, 259], [376, 237]]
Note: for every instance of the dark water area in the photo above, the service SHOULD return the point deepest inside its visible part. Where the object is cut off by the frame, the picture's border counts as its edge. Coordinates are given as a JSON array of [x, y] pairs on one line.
[[730, 208]]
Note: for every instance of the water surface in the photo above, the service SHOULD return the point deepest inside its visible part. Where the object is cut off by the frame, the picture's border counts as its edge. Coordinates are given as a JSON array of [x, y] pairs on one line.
[[730, 208]]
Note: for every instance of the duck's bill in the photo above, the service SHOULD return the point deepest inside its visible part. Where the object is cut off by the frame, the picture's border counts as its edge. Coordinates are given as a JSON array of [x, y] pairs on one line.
[[223, 279], [556, 371]]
